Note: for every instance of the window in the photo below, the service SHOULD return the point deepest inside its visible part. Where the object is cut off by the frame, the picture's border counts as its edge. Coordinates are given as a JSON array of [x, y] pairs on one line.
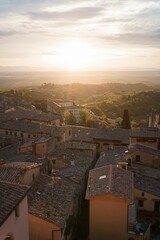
[[140, 203], [17, 212], [21, 134], [142, 194], [157, 206], [6, 132], [29, 135], [138, 158], [33, 176], [129, 162], [124, 167], [10, 133], [139, 139], [15, 134]]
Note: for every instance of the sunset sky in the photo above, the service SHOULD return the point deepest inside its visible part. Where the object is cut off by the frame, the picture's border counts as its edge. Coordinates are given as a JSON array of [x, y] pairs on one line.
[[80, 34]]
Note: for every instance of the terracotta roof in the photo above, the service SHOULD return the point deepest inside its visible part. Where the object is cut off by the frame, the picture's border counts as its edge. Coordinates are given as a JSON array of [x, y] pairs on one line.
[[146, 133], [11, 174], [84, 134], [14, 172], [89, 134], [21, 165], [146, 171], [51, 199], [26, 144], [79, 145], [110, 180], [58, 131], [9, 154], [27, 114], [68, 155], [147, 184], [21, 125], [43, 139], [74, 173], [144, 148], [10, 196], [112, 156], [29, 127], [116, 134]]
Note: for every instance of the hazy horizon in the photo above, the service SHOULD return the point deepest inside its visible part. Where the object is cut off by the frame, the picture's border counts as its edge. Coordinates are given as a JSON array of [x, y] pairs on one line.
[[26, 79], [38, 69]]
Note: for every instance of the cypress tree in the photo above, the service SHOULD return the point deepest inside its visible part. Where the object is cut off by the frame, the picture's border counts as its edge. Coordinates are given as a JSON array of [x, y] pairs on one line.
[[126, 121]]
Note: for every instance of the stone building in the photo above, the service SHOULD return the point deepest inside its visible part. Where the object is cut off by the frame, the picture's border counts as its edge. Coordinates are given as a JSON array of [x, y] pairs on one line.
[[13, 212], [110, 192]]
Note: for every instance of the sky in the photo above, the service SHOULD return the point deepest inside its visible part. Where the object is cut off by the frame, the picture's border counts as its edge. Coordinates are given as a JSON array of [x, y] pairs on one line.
[[80, 34]]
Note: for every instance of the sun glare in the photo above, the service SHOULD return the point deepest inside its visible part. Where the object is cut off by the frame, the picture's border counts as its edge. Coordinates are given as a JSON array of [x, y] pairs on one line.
[[78, 54], [75, 54]]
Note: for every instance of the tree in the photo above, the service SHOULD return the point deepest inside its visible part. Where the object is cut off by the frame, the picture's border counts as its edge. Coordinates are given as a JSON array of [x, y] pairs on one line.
[[126, 121], [84, 116], [69, 118], [90, 122]]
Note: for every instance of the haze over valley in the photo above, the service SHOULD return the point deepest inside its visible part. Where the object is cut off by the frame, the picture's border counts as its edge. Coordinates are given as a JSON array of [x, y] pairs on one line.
[[13, 79]]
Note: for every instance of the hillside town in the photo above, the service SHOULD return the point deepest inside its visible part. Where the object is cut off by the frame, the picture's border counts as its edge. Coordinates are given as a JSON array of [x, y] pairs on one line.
[[70, 182]]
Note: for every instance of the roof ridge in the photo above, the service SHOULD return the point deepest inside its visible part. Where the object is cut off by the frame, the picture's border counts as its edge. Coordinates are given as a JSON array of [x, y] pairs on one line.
[[15, 184]]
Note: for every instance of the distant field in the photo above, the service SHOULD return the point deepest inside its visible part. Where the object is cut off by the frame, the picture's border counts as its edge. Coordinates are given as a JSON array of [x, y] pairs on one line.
[[24, 79]]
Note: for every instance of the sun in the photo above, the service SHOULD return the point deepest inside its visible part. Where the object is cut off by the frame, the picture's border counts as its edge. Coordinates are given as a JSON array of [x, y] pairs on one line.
[[80, 54], [75, 54]]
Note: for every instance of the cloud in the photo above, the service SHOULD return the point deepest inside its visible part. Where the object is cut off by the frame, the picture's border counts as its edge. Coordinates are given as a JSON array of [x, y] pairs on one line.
[[24, 6], [51, 53], [7, 33], [150, 39], [119, 23], [114, 20], [73, 14]]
